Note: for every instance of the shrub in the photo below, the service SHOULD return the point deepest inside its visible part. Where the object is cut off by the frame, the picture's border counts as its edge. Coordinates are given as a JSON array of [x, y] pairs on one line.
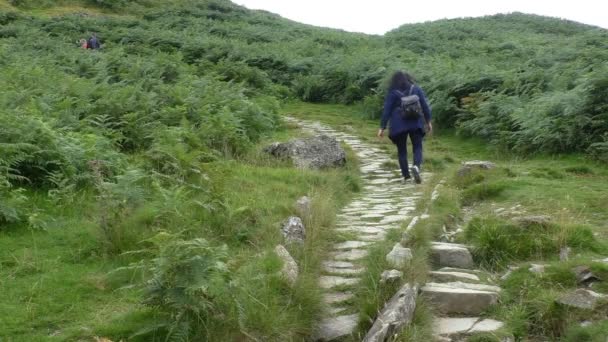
[[186, 277], [12, 202]]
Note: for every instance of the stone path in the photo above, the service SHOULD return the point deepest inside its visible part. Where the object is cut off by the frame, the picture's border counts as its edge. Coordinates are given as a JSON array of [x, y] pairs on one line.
[[384, 204], [459, 292]]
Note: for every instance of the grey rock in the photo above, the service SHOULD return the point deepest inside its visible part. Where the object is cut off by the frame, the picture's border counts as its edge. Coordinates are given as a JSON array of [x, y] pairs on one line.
[[304, 206], [399, 256], [469, 166], [451, 255], [289, 271], [533, 220], [461, 298], [316, 152], [332, 328], [293, 230], [480, 164], [564, 253], [584, 276], [537, 268], [396, 314], [390, 276], [581, 298]]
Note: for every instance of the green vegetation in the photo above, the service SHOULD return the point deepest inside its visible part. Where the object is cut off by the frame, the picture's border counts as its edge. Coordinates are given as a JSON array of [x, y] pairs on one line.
[[135, 201]]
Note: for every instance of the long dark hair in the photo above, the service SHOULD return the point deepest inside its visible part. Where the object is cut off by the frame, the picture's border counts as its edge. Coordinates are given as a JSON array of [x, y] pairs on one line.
[[401, 81]]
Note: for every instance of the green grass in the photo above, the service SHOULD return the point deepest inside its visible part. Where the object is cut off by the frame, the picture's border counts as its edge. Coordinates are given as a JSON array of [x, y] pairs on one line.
[[57, 283]]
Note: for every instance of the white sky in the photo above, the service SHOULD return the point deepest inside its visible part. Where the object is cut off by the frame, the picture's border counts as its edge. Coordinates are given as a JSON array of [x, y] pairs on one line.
[[380, 16]]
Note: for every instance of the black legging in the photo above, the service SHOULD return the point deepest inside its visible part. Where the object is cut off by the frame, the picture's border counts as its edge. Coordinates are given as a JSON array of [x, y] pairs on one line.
[[401, 141]]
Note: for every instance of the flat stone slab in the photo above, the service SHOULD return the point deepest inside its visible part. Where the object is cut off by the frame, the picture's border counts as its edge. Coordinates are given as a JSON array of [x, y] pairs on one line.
[[338, 264], [328, 282], [351, 245], [393, 219], [461, 270], [372, 237], [360, 229], [453, 276], [461, 298], [335, 310], [451, 255], [335, 327], [351, 255], [337, 297], [343, 271], [446, 327]]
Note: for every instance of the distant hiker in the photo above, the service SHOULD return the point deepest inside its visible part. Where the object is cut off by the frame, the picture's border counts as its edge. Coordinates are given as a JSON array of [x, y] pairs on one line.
[[408, 111], [93, 42], [84, 44]]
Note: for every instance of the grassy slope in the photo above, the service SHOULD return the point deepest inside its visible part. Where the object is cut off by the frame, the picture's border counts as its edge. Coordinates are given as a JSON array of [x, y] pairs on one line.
[[56, 285]]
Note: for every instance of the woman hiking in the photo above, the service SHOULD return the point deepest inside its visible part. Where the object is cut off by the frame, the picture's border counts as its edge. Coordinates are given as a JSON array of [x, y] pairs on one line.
[[409, 118]]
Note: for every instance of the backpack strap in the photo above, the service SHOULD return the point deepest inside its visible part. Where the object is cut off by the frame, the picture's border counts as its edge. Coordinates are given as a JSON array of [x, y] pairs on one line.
[[411, 89]]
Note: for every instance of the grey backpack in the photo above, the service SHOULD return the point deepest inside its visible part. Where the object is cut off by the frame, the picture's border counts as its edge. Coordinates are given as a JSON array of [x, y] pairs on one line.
[[410, 105]]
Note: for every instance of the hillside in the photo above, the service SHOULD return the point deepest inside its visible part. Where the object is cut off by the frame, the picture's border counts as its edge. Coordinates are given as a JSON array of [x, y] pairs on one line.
[[122, 165]]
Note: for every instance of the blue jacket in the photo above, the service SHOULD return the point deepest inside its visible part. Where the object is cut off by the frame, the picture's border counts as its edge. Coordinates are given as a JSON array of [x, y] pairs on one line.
[[391, 113]]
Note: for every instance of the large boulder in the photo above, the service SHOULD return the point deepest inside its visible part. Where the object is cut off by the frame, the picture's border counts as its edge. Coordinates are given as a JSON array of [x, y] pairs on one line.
[[289, 271], [310, 153], [396, 314], [293, 230]]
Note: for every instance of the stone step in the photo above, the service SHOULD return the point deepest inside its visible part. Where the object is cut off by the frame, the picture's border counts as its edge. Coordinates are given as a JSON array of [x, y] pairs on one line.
[[461, 298], [343, 271], [372, 237], [329, 282], [332, 328], [451, 255], [351, 244], [453, 329], [446, 277], [350, 255], [461, 270], [337, 297]]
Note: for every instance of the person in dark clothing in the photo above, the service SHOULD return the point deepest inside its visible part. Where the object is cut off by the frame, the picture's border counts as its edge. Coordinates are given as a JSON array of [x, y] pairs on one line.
[[93, 42], [401, 128]]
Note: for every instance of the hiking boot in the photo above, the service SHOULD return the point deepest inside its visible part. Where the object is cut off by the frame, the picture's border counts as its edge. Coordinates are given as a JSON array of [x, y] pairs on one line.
[[406, 179], [416, 173]]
